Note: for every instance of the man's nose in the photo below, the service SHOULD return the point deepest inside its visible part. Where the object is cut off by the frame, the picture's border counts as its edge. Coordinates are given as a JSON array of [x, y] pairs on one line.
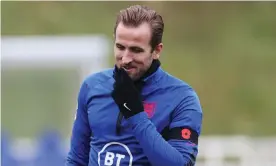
[[126, 59]]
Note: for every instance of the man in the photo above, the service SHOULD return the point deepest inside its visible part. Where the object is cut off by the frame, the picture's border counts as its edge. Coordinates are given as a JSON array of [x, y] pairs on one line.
[[136, 114]]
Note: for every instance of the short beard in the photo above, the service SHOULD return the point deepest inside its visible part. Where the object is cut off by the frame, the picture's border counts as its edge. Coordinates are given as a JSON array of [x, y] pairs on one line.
[[139, 75]]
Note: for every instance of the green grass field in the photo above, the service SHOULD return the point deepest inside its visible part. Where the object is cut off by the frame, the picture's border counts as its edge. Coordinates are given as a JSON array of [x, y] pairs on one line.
[[226, 51]]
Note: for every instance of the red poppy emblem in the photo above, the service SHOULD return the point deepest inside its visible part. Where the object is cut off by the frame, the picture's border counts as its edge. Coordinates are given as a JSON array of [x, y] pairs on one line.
[[186, 133]]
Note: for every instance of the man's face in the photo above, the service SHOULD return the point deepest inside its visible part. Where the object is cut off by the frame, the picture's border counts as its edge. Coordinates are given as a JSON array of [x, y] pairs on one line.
[[132, 49]]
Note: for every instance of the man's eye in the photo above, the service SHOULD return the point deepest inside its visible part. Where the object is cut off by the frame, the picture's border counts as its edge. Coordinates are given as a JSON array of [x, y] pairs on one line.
[[120, 47], [136, 50]]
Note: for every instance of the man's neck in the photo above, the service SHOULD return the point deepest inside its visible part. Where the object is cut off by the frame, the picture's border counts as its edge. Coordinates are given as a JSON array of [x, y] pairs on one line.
[[140, 82], [154, 66]]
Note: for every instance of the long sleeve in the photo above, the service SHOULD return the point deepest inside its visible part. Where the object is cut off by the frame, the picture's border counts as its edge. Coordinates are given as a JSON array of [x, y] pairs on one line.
[[80, 139], [181, 147]]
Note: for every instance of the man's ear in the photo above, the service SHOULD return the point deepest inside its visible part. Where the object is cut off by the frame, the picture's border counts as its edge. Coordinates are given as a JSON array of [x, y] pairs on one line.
[[157, 51]]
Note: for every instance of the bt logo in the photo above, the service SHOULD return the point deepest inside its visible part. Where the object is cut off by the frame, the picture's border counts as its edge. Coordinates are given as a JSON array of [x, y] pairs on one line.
[[111, 158]]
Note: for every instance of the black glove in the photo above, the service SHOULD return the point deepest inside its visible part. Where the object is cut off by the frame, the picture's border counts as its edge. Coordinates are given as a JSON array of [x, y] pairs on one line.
[[125, 94]]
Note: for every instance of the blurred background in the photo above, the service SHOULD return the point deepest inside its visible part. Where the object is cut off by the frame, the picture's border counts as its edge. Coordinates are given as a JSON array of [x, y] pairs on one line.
[[224, 50]]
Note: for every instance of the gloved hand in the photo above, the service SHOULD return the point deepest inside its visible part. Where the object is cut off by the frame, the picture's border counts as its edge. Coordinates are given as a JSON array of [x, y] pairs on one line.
[[125, 94]]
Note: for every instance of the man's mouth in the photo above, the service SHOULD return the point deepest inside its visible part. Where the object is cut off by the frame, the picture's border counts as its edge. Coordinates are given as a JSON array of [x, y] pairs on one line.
[[128, 68]]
